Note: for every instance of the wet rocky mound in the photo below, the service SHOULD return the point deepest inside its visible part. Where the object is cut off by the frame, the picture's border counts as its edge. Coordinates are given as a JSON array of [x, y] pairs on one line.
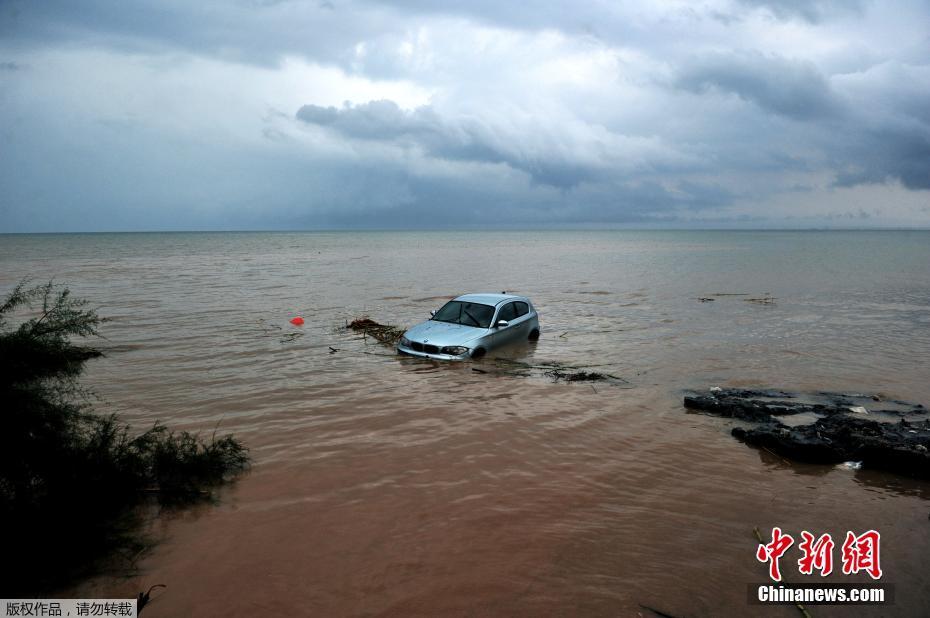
[[887, 435]]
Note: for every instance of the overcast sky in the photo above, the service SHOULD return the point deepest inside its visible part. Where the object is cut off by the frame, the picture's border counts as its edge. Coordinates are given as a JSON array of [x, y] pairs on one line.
[[263, 114]]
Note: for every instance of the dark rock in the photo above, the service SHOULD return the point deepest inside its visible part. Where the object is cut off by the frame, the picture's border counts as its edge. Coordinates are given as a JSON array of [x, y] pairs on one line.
[[762, 405], [743, 405], [845, 430], [902, 447]]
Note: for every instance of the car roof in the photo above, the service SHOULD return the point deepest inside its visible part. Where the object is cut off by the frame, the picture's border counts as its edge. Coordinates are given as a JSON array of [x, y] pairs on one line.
[[489, 299]]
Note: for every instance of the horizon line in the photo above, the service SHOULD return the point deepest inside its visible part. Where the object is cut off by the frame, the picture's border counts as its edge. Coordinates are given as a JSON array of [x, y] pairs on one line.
[[472, 229]]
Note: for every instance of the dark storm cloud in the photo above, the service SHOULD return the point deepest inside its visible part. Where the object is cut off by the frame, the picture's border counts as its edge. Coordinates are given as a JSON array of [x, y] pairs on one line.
[[251, 32], [876, 156], [166, 114], [466, 139], [790, 88]]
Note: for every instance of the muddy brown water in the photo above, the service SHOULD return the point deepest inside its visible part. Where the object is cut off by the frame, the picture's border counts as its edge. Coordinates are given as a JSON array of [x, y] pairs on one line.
[[384, 485]]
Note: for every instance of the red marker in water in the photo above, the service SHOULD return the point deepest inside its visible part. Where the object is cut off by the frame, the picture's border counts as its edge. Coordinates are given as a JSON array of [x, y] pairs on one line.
[[298, 321]]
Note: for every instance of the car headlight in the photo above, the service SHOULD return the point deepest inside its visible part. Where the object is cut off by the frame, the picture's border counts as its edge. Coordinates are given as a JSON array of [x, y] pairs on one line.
[[405, 342], [454, 350]]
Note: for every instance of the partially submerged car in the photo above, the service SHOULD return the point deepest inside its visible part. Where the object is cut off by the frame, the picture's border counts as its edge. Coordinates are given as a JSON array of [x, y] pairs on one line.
[[472, 325]]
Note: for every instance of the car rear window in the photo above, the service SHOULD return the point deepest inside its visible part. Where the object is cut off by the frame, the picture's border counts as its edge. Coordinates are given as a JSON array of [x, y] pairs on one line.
[[508, 312], [522, 308]]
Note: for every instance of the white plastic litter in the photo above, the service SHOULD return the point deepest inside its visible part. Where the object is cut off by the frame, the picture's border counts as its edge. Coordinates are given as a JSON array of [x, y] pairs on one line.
[[715, 389], [858, 410], [852, 465]]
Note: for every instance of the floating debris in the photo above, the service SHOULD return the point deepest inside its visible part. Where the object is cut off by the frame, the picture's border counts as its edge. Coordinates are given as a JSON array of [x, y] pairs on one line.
[[559, 372], [577, 376], [385, 333], [268, 327], [765, 300]]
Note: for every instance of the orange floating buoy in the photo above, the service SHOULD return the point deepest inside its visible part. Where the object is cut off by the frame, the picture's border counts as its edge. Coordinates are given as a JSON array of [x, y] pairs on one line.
[[298, 321]]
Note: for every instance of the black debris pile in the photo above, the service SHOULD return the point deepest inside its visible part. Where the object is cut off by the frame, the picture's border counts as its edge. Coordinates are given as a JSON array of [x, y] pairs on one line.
[[846, 427], [557, 372], [385, 333], [577, 376]]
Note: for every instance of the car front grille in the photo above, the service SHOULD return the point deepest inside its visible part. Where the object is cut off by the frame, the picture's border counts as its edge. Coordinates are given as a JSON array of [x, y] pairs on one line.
[[416, 345], [420, 347], [430, 349]]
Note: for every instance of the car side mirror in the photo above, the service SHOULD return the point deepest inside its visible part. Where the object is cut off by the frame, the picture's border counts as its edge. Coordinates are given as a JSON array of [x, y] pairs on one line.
[[432, 313], [502, 323]]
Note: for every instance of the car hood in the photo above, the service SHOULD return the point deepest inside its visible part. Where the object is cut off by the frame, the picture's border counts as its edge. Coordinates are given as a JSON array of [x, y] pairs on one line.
[[444, 333]]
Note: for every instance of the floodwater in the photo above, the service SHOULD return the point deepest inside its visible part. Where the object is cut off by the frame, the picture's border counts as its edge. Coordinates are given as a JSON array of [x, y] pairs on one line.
[[384, 485]]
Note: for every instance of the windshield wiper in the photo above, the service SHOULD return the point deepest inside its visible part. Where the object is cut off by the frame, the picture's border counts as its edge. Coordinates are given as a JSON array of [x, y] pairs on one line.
[[471, 317]]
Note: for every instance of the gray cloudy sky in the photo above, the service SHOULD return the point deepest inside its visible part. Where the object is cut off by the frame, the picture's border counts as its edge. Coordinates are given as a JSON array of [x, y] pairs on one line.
[[264, 114]]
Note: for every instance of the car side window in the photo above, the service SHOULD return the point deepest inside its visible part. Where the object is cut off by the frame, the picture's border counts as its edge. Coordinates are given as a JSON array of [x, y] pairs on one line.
[[508, 312], [522, 308]]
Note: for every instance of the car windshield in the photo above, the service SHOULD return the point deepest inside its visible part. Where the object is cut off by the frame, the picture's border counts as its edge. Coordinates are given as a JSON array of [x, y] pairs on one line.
[[468, 314]]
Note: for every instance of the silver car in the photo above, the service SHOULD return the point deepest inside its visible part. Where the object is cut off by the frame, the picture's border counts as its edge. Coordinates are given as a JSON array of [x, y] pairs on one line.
[[472, 325]]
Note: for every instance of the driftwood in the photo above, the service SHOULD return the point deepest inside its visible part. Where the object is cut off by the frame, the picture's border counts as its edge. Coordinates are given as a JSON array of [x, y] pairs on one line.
[[385, 333], [577, 376]]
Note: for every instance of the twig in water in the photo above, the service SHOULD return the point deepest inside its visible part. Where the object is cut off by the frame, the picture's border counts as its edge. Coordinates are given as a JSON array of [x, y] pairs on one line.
[[145, 597], [800, 607], [656, 611], [766, 449], [767, 300]]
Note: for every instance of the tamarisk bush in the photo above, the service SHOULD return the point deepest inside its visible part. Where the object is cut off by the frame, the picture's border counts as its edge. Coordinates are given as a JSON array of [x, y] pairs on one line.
[[70, 478]]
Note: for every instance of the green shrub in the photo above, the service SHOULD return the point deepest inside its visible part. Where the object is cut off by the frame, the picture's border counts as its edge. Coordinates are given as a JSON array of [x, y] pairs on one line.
[[70, 479]]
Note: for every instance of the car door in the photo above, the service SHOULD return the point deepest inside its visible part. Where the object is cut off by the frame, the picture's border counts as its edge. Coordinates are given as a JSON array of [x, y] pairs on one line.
[[505, 334], [522, 321]]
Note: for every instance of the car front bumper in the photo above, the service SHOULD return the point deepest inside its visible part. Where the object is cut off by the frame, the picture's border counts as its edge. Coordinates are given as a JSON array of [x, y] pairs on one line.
[[446, 357]]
